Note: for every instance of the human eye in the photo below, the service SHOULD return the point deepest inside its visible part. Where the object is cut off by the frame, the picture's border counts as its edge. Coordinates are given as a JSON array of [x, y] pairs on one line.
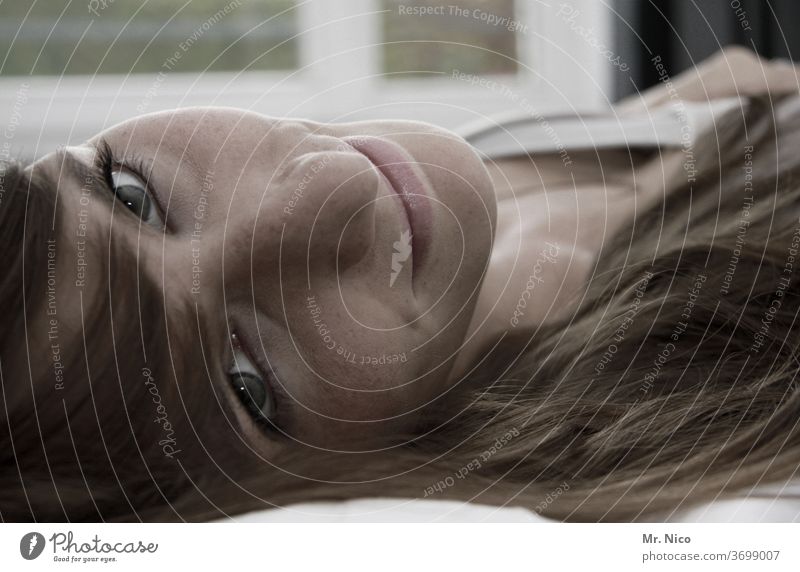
[[125, 179], [252, 388]]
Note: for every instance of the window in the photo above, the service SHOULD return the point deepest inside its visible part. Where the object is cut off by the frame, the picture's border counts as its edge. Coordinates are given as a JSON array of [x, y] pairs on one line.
[[63, 37], [473, 36], [70, 69]]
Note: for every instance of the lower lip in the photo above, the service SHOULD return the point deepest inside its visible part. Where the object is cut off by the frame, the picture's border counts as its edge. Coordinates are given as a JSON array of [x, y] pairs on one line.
[[395, 164]]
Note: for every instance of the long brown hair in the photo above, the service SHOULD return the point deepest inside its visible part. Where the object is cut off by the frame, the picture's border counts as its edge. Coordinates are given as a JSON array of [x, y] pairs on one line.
[[95, 412], [674, 381]]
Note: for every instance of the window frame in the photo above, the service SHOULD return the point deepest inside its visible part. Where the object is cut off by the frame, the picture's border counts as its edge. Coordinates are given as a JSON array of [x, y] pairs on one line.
[[339, 45]]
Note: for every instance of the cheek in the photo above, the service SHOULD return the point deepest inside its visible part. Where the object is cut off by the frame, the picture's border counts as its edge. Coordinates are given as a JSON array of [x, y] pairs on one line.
[[342, 418], [382, 383], [355, 354]]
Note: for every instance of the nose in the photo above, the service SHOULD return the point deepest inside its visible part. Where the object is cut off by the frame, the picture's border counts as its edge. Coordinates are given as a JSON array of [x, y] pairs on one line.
[[316, 220], [339, 225]]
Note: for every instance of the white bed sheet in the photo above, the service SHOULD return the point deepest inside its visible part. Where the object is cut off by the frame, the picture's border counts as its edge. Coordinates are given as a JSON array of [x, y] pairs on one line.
[[769, 503], [774, 503], [390, 510]]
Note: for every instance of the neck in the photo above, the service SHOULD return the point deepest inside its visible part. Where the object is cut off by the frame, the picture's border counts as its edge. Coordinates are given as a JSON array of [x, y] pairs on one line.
[[523, 279], [548, 233]]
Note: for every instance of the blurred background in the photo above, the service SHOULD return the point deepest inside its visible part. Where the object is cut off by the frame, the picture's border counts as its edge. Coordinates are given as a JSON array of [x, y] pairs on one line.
[[69, 68]]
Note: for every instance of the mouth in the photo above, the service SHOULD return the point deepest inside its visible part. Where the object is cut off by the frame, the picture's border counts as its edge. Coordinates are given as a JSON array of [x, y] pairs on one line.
[[394, 163]]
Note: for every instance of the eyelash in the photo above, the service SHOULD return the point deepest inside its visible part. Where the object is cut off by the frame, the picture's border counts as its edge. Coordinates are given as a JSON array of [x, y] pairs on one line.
[[269, 427], [107, 163]]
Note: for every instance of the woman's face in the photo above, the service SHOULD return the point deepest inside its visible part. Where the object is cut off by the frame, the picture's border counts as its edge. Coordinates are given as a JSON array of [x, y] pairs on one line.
[[340, 263]]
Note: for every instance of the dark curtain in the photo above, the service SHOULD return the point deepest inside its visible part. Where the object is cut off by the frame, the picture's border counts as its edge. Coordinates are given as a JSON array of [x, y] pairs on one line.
[[683, 32]]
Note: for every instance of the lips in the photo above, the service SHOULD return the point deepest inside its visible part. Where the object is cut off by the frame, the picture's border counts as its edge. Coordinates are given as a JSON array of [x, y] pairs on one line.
[[396, 165]]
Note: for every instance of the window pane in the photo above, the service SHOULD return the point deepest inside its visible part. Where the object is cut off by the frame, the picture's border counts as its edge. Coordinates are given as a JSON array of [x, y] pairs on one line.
[[472, 36], [121, 36]]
